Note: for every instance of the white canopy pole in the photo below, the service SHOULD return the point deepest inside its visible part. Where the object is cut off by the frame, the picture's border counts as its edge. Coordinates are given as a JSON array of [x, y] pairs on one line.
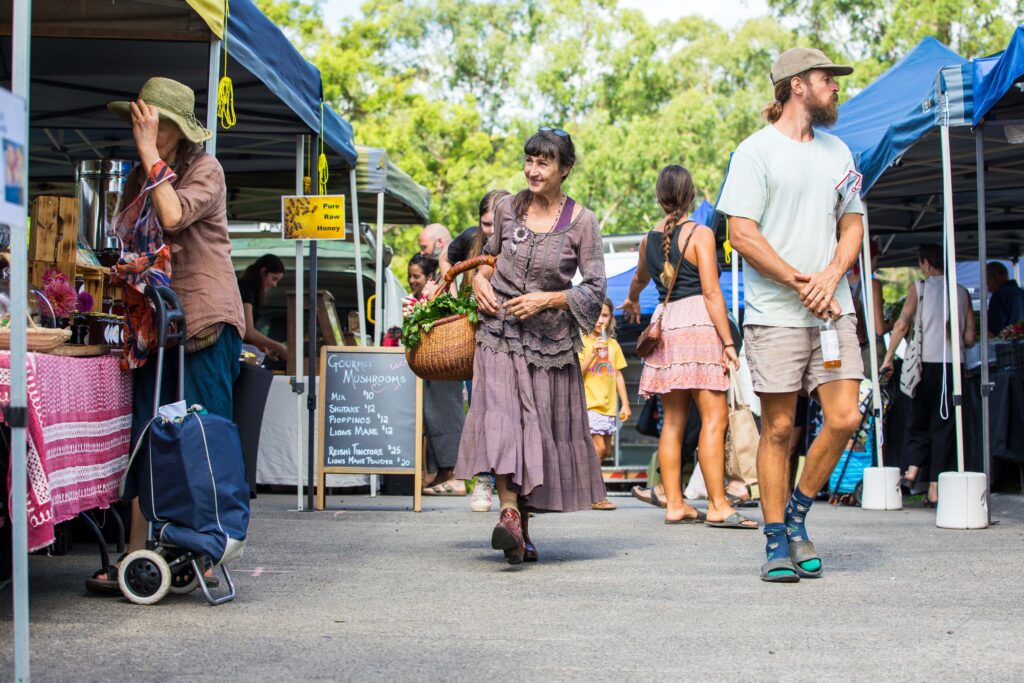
[[867, 293], [21, 28], [735, 286], [378, 309], [954, 303], [212, 83], [359, 256], [300, 301]]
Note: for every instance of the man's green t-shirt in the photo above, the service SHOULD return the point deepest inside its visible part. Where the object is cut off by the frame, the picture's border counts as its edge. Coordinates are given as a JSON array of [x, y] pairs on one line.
[[790, 189]]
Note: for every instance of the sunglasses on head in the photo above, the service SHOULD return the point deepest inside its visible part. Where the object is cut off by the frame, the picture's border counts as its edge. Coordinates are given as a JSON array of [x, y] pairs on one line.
[[557, 131]]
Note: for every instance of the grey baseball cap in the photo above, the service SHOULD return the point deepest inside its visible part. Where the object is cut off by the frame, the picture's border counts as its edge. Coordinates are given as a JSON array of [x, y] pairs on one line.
[[800, 59]]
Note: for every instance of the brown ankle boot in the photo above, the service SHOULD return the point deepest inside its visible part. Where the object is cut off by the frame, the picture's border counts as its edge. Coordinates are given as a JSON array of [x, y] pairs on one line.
[[529, 549], [508, 536]]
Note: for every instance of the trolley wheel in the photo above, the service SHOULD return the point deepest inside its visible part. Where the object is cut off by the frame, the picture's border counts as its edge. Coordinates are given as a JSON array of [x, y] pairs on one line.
[[858, 493], [145, 577]]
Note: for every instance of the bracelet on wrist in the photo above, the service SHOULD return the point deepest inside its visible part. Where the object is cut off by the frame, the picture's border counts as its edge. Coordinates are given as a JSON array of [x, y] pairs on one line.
[[728, 346]]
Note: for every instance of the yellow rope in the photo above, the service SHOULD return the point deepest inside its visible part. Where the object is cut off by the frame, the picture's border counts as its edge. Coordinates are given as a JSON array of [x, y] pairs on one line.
[[307, 180], [323, 172], [225, 89], [727, 245]]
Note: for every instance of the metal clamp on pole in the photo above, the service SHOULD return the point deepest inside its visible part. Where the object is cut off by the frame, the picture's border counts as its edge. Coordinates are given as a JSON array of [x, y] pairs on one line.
[[16, 417], [297, 386], [987, 388], [958, 401]]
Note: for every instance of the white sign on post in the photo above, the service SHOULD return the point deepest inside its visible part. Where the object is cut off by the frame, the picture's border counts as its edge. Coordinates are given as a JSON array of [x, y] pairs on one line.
[[13, 183]]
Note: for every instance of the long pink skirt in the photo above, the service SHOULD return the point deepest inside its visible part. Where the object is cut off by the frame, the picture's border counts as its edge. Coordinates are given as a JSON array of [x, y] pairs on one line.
[[690, 353], [531, 423]]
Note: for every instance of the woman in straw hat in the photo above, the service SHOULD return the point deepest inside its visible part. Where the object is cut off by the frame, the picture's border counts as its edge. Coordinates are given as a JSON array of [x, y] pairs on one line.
[[174, 230]]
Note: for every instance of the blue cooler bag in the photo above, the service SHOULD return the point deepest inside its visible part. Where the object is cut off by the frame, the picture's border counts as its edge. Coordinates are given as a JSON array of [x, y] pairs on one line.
[[849, 470], [189, 474]]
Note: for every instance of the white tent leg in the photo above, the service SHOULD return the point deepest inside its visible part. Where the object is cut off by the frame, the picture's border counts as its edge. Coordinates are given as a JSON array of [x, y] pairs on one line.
[[378, 312], [959, 505], [735, 287], [358, 256], [213, 81], [881, 483], [21, 28], [300, 300]]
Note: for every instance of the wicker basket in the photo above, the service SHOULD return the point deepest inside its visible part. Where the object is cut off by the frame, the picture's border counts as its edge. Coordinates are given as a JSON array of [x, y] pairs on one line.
[[445, 354], [38, 339]]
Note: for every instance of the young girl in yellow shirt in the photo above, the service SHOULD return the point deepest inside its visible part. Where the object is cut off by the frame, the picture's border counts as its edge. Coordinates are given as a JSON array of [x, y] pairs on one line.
[[601, 361]]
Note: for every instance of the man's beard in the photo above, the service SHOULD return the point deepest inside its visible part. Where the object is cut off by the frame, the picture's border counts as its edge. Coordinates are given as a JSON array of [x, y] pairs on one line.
[[825, 114], [436, 254]]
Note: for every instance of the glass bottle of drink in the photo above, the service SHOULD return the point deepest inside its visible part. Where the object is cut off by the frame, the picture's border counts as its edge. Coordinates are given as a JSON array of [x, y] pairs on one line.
[[830, 344], [602, 353]]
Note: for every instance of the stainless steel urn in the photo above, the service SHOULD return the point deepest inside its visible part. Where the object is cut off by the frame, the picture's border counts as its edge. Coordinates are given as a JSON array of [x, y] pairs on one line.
[[100, 189]]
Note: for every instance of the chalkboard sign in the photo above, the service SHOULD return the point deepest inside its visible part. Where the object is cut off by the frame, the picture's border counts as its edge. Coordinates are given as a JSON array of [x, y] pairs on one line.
[[370, 415]]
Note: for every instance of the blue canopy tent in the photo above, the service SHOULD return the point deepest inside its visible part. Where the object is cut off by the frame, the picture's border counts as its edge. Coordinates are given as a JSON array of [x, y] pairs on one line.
[[938, 180]]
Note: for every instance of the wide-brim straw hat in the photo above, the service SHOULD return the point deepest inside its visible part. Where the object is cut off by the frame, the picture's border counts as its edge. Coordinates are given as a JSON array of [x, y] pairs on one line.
[[174, 101]]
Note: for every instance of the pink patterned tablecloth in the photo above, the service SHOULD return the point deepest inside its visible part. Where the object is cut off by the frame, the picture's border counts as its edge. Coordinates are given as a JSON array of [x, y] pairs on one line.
[[80, 422]]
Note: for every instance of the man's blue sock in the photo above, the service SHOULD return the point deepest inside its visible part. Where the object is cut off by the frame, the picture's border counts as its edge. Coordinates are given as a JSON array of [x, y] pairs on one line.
[[777, 546], [796, 514]]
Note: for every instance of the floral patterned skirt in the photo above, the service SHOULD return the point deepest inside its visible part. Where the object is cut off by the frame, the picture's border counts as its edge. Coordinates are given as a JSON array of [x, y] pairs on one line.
[[690, 353]]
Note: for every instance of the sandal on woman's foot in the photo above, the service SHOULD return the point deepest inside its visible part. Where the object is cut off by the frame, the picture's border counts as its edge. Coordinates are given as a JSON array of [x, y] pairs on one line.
[[603, 505], [699, 519], [738, 502], [648, 496], [779, 570], [733, 521], [446, 488], [508, 536], [805, 559], [107, 586]]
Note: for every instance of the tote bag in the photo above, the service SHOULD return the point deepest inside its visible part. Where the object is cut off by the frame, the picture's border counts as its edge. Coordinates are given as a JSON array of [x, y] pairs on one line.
[[910, 375], [741, 440]]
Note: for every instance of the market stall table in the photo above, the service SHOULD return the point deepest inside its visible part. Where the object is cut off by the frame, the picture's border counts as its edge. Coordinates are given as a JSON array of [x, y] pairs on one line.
[[79, 427]]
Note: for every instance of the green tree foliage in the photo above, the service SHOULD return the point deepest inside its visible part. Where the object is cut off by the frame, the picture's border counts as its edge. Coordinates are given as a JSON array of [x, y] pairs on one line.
[[451, 88]]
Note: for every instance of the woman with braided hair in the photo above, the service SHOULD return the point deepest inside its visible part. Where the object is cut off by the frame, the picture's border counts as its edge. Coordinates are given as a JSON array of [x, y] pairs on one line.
[[692, 362]]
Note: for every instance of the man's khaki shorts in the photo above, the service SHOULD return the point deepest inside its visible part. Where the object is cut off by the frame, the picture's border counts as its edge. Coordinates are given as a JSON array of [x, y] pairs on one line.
[[783, 360]]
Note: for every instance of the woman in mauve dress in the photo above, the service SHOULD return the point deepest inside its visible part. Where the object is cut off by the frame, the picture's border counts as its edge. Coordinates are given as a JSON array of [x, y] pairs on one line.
[[528, 420]]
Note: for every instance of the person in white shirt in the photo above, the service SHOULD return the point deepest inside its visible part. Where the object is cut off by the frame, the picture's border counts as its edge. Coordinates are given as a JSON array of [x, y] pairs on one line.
[[795, 216]]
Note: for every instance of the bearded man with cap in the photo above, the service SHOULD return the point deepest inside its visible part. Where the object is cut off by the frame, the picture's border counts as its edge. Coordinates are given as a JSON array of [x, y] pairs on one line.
[[175, 226], [795, 215]]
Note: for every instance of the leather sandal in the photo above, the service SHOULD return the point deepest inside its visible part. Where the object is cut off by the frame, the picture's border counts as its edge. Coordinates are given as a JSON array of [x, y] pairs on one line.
[[107, 586]]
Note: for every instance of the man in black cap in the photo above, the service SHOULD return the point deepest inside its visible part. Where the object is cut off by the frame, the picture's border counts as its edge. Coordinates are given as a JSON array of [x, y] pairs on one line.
[[793, 199]]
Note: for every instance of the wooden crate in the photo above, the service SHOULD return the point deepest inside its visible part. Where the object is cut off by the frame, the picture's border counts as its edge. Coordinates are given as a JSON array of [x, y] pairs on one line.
[[37, 269], [95, 283], [53, 230]]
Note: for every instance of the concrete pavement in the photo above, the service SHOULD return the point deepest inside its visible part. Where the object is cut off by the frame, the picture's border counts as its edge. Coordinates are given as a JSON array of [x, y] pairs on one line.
[[372, 591]]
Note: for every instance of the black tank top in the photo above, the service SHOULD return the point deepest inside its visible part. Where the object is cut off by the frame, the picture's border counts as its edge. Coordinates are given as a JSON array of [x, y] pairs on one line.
[[688, 282]]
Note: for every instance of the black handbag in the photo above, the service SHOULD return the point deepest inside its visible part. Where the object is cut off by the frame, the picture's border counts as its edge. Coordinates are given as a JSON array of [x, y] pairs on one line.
[[650, 416]]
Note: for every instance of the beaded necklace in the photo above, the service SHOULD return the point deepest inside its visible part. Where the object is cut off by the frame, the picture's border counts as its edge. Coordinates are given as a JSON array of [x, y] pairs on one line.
[[522, 232]]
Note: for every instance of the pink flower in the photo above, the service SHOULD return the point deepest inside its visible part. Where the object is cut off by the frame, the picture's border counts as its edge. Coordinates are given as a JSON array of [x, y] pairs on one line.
[[62, 298], [52, 276]]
